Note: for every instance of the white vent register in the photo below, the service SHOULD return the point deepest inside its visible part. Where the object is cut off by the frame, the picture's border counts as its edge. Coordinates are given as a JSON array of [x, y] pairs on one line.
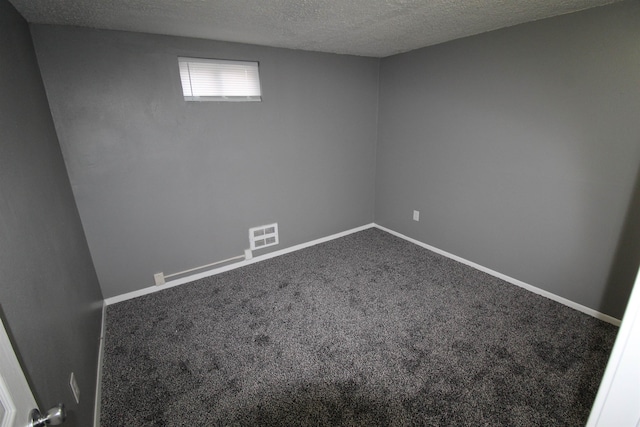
[[259, 237], [263, 236]]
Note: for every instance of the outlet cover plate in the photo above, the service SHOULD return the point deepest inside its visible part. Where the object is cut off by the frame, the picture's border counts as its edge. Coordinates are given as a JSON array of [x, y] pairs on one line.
[[74, 387]]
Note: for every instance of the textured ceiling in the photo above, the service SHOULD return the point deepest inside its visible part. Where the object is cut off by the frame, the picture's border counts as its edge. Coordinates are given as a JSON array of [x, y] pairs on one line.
[[360, 27]]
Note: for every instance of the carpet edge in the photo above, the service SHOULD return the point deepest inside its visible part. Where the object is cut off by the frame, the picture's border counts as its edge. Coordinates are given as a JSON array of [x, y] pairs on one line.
[[209, 273], [557, 298]]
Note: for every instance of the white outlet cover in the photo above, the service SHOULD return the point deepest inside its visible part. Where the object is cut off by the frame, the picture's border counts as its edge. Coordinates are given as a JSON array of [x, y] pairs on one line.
[[416, 215], [74, 387]]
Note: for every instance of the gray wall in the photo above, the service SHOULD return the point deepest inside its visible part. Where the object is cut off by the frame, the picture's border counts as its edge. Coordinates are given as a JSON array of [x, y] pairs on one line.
[[521, 149], [166, 185], [49, 293]]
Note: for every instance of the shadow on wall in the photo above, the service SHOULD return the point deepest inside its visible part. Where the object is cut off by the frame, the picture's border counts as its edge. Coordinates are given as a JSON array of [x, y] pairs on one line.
[[627, 258]]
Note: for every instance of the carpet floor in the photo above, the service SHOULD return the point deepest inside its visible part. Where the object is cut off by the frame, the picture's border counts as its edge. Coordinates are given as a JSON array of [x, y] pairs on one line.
[[365, 330]]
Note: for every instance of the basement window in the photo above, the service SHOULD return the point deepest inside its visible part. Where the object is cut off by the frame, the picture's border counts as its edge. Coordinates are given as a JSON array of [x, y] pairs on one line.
[[219, 80]]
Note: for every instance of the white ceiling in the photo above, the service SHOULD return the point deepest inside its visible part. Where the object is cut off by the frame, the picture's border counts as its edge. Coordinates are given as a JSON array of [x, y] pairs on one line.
[[360, 27]]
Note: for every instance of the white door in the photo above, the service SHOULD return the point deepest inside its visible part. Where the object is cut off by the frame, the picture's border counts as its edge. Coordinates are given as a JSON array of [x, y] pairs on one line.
[[618, 400], [16, 399]]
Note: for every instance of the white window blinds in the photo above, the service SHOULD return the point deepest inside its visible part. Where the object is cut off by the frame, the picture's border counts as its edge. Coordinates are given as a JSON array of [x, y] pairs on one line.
[[219, 80]]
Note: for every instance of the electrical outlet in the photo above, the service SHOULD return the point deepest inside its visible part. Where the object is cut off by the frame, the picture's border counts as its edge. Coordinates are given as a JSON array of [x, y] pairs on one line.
[[416, 215], [74, 387]]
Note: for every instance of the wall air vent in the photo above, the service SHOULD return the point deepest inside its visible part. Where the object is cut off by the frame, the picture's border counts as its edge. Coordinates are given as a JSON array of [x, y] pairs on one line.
[[263, 236]]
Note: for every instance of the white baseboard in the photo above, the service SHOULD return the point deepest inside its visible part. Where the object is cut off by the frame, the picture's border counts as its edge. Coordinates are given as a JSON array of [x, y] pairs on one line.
[[531, 288], [535, 290], [98, 402], [191, 278]]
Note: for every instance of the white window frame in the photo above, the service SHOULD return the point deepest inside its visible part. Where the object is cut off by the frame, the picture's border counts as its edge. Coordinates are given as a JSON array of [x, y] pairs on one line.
[[219, 80]]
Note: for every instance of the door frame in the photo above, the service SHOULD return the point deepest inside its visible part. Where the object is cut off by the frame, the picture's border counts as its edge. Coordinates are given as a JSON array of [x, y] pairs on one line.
[[15, 392], [619, 392]]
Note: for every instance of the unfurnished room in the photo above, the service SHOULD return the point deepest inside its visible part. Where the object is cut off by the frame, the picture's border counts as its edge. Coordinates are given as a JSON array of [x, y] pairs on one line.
[[319, 213]]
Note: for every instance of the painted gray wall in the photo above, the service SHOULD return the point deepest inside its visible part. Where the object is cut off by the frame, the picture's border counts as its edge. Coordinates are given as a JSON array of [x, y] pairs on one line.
[[49, 292], [521, 150], [166, 185]]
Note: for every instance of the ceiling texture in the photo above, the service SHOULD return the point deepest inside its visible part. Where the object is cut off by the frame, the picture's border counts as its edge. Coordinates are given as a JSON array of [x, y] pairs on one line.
[[375, 28]]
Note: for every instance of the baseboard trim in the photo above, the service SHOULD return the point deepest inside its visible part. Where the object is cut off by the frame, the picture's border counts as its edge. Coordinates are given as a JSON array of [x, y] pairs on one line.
[[98, 402], [213, 272], [191, 278], [531, 288]]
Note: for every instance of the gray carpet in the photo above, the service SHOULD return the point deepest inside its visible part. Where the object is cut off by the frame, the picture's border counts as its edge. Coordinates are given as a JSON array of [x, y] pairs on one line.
[[366, 330]]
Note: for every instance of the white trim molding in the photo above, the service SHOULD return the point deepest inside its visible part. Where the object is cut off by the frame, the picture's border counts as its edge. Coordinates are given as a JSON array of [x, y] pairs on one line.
[[98, 402], [15, 393], [531, 288], [616, 403], [187, 279]]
